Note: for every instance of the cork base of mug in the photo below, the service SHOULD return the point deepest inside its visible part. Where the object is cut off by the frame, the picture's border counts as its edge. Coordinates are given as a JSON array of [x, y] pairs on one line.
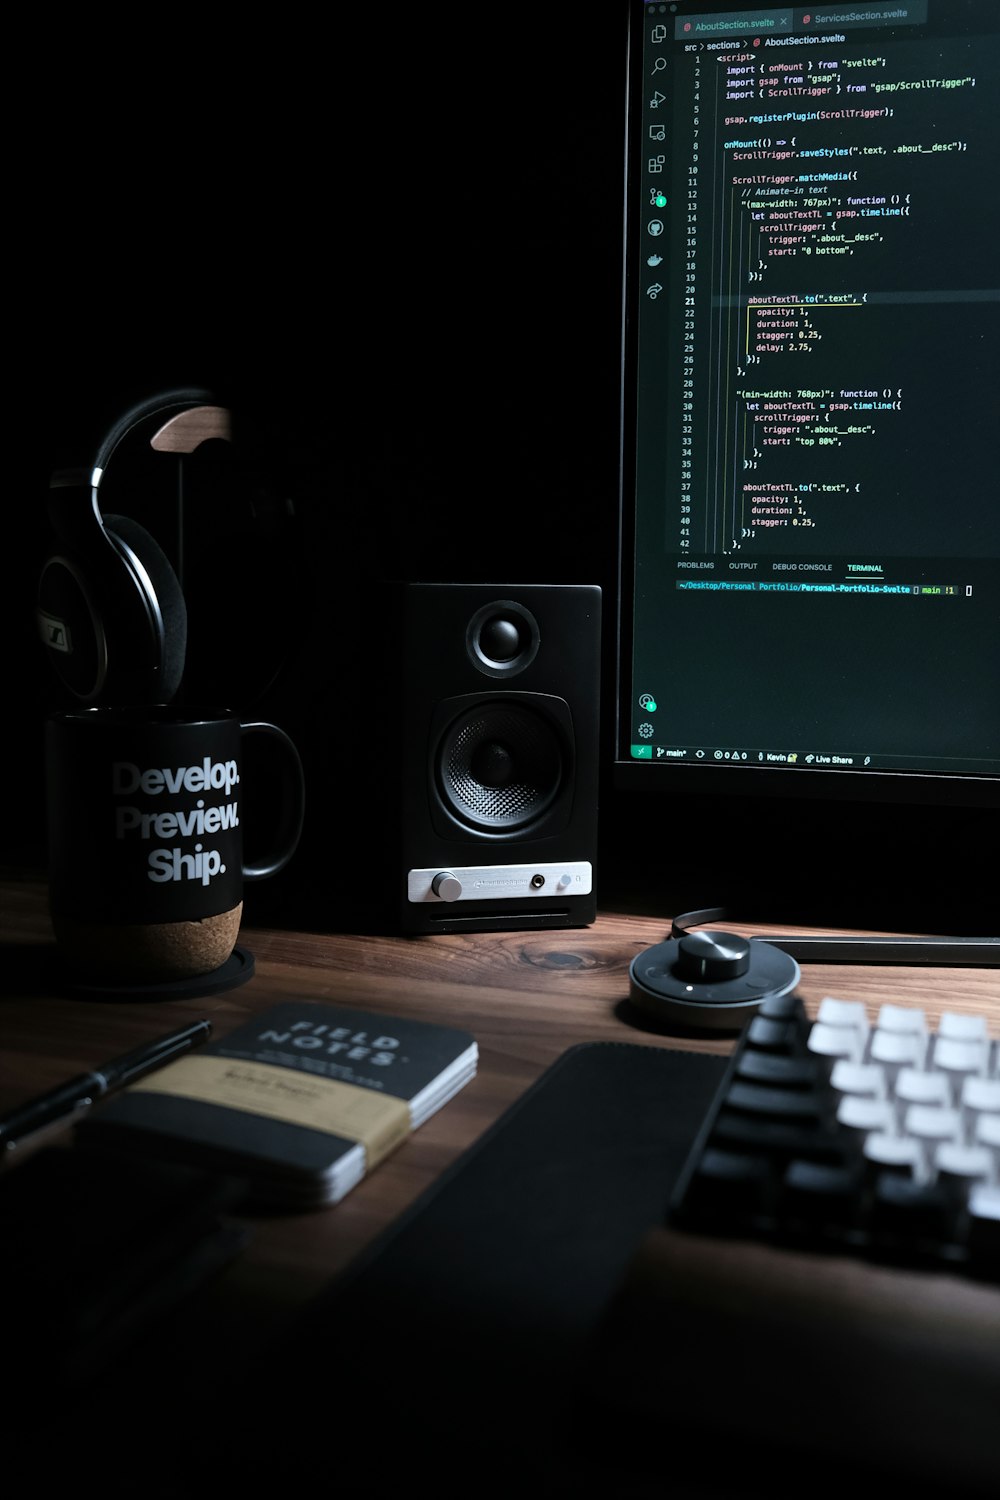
[[150, 952]]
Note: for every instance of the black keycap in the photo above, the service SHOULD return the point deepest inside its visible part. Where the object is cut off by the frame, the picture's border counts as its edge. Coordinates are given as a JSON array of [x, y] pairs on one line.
[[773, 1036], [783, 1008], [920, 1214], [785, 1140], [822, 1195], [805, 1106], [780, 1071], [730, 1183]]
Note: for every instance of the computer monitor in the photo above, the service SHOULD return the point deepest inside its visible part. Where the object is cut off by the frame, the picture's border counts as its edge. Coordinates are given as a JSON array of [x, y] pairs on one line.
[[809, 590]]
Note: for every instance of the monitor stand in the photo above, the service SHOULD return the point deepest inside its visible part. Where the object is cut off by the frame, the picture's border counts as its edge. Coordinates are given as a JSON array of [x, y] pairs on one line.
[[842, 948], [839, 883]]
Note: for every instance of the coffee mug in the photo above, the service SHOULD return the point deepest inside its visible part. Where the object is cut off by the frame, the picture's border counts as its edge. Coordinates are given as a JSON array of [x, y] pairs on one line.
[[145, 829]]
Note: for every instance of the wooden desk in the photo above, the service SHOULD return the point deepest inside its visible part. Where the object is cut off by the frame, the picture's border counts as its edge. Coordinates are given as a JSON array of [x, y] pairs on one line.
[[526, 997]]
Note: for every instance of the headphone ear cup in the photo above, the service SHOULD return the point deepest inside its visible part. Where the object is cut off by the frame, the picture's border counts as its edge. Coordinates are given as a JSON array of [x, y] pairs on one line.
[[168, 595]]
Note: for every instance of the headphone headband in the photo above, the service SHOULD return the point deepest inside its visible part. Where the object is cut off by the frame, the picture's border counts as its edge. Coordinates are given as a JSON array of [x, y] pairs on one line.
[[113, 580], [170, 402], [111, 607]]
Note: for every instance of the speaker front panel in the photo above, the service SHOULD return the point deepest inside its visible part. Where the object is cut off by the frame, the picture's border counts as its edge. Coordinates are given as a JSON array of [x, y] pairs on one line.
[[500, 773]]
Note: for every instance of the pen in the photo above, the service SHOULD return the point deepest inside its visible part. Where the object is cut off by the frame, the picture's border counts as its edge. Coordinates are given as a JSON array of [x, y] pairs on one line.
[[69, 1099]]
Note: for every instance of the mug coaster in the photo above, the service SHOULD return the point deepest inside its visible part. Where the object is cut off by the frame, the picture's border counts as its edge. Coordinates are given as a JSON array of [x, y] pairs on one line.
[[237, 969]]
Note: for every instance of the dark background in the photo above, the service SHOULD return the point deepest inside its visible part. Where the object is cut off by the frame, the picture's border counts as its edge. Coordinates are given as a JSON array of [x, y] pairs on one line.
[[392, 246]]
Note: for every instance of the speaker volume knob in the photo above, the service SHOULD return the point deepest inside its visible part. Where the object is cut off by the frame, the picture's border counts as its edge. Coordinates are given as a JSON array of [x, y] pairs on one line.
[[446, 885], [704, 956]]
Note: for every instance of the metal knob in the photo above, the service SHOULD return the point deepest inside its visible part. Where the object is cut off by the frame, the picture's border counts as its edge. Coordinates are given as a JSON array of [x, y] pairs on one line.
[[704, 956], [447, 886]]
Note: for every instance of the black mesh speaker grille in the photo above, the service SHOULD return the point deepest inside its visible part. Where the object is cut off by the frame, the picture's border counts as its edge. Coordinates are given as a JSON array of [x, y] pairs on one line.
[[500, 766]]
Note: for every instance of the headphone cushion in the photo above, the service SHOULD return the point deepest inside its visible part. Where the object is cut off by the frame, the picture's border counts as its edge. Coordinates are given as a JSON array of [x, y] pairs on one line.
[[167, 590]]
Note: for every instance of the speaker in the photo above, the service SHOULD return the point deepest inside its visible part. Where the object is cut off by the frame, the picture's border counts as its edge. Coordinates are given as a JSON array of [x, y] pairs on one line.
[[110, 608], [501, 723]]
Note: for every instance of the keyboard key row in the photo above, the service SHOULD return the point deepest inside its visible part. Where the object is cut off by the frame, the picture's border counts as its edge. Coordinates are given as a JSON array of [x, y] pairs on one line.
[[955, 1057], [883, 1137]]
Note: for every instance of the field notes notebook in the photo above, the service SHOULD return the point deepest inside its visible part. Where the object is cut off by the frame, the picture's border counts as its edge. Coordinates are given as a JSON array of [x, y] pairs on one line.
[[301, 1102]]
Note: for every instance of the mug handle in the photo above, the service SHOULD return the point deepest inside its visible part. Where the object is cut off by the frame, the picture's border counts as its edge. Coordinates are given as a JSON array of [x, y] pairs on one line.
[[293, 803]]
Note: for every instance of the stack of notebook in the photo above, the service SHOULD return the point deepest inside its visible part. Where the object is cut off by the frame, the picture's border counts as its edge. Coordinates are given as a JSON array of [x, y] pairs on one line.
[[298, 1103]]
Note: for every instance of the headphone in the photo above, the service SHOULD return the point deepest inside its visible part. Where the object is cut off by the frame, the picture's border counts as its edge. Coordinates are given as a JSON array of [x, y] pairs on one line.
[[110, 608]]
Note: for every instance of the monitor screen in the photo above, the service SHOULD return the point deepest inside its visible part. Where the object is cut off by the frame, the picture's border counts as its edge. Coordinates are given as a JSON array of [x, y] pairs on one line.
[[810, 559]]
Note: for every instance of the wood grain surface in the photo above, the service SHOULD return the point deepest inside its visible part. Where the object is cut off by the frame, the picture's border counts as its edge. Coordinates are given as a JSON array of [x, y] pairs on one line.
[[525, 996]]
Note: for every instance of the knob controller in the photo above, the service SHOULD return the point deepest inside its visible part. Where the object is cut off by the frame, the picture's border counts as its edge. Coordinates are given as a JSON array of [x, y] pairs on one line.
[[708, 980]]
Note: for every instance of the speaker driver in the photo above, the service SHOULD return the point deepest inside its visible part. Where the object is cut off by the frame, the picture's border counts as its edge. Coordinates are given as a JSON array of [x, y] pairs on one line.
[[502, 638], [500, 766]]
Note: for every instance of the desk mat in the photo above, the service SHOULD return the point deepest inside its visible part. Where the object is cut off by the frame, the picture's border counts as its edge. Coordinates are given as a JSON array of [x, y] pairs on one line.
[[538, 1219], [480, 1305]]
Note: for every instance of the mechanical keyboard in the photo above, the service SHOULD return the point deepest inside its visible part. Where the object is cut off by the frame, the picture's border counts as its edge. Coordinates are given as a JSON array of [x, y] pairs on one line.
[[878, 1138]]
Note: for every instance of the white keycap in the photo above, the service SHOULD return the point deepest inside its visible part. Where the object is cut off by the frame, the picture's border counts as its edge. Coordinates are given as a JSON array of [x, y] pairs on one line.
[[897, 1049], [902, 1018], [913, 1086], [862, 1114], [987, 1133], [894, 1153], [962, 1027], [867, 1080], [963, 1164], [845, 1015], [959, 1060], [833, 1012], [835, 1041], [979, 1096], [931, 1123]]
